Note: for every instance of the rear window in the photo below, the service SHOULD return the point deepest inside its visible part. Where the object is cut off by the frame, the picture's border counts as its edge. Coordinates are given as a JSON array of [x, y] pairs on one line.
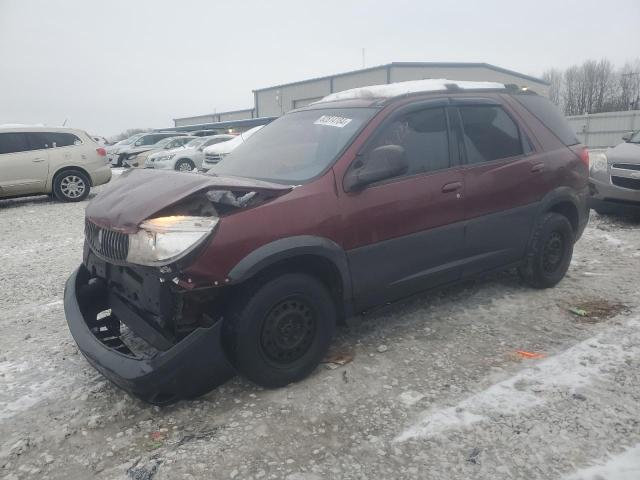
[[550, 116], [13, 142]]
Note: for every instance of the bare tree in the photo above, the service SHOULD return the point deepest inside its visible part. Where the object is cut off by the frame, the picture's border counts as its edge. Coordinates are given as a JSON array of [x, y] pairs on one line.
[[554, 77], [595, 86], [629, 86]]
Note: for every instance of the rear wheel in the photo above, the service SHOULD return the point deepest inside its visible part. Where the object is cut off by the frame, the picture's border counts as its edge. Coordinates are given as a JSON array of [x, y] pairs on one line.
[[550, 252], [71, 186], [184, 165], [278, 331]]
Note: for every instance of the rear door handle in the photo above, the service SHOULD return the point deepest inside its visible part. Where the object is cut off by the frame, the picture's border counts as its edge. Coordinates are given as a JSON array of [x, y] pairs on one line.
[[451, 187], [37, 160], [538, 167]]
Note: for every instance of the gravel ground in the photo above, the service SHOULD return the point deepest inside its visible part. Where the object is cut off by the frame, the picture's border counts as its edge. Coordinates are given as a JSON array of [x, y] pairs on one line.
[[436, 388]]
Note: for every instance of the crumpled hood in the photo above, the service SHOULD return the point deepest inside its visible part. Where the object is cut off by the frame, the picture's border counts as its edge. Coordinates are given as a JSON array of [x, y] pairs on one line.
[[624, 153], [138, 194]]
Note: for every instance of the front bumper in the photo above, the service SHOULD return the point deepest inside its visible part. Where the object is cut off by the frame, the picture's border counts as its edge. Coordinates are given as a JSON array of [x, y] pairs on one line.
[[610, 198], [189, 368]]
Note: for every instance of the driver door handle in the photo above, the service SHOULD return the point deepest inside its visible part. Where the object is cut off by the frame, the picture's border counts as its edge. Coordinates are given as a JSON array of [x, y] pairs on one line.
[[37, 160], [538, 167], [451, 187]]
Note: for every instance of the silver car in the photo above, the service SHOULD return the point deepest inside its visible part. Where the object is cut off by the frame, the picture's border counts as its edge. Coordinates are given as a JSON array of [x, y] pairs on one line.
[[186, 158], [614, 177]]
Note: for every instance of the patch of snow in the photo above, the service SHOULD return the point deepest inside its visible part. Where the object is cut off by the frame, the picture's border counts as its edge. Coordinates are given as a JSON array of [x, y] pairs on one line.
[[616, 242], [38, 392], [410, 397], [575, 368], [625, 466], [411, 86]]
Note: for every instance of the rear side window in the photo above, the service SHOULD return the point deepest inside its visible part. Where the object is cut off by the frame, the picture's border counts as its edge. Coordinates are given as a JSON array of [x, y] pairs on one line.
[[13, 142], [40, 140], [550, 116], [423, 135], [489, 134]]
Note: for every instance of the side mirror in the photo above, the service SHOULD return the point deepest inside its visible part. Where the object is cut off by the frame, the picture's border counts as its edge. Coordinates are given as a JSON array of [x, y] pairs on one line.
[[627, 136], [380, 163], [138, 143]]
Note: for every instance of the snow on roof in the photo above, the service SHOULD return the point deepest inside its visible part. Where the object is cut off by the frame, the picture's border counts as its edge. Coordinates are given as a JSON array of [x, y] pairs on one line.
[[402, 88]]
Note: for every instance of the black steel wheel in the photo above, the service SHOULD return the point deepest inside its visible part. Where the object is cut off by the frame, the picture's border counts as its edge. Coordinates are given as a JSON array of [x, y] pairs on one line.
[[278, 330], [288, 330], [550, 251]]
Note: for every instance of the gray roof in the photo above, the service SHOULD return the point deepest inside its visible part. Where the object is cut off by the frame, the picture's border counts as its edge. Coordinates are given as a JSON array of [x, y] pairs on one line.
[[416, 64]]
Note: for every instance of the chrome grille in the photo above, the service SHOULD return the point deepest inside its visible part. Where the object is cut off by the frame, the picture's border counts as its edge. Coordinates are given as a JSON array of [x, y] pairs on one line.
[[624, 182], [627, 166], [107, 243], [212, 157]]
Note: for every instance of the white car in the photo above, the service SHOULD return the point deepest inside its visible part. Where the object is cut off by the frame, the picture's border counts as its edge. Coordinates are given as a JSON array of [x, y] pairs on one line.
[[215, 153], [137, 157], [136, 144], [43, 160], [187, 158]]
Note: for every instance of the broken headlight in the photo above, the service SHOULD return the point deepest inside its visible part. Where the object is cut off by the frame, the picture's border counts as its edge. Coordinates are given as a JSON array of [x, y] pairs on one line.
[[163, 240]]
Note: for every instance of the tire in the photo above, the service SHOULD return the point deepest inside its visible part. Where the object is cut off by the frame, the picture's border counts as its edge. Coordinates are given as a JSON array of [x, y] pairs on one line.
[[184, 165], [265, 328], [550, 252], [120, 161], [71, 186]]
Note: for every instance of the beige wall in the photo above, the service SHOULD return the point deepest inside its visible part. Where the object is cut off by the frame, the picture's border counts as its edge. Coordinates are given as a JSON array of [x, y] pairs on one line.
[[401, 74], [360, 79], [276, 101]]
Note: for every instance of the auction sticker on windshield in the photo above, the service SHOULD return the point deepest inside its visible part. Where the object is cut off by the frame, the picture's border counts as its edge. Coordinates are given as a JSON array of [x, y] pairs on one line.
[[332, 121]]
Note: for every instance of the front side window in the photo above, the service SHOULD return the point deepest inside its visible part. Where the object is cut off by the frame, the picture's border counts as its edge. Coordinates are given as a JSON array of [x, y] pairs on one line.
[[489, 134], [296, 147], [635, 138], [13, 142], [424, 137]]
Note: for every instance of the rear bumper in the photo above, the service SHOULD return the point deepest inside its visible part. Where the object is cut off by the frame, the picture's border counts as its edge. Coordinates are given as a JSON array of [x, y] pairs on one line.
[[191, 367], [101, 175]]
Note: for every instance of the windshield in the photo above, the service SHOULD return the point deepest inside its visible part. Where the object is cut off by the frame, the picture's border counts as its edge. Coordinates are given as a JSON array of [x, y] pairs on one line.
[[196, 142], [163, 142], [635, 138], [296, 147], [131, 139]]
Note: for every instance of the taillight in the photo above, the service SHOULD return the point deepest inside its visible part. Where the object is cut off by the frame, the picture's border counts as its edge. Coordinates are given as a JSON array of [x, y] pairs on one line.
[[101, 152], [582, 152]]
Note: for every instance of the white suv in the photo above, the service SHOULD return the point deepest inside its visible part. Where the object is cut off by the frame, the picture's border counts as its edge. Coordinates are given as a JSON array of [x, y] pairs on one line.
[[43, 160]]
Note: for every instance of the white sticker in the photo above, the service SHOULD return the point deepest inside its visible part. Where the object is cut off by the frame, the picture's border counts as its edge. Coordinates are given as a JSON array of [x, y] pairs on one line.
[[332, 121]]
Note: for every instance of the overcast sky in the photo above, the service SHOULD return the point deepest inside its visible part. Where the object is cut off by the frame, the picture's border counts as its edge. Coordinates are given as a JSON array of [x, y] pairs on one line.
[[106, 66]]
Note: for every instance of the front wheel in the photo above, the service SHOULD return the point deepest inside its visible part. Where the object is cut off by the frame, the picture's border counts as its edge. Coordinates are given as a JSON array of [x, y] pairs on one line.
[[184, 165], [550, 252], [278, 331], [71, 186]]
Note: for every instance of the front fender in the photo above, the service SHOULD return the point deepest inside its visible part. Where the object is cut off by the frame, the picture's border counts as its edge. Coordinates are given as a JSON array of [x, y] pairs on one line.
[[291, 247]]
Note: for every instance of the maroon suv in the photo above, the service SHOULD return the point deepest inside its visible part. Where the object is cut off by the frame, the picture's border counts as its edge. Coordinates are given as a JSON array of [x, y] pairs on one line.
[[358, 200]]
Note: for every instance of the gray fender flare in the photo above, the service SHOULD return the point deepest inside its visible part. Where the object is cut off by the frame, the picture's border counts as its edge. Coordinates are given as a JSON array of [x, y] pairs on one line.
[[290, 247]]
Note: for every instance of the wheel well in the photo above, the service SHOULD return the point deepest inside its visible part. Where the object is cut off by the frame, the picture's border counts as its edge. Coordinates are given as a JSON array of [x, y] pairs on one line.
[[66, 169], [319, 267], [569, 210]]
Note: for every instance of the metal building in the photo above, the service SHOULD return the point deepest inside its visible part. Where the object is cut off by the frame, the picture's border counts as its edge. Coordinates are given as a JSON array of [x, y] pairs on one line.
[[277, 100]]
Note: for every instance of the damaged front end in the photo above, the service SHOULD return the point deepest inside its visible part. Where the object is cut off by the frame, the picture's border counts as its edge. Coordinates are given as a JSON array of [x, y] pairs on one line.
[[132, 314]]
